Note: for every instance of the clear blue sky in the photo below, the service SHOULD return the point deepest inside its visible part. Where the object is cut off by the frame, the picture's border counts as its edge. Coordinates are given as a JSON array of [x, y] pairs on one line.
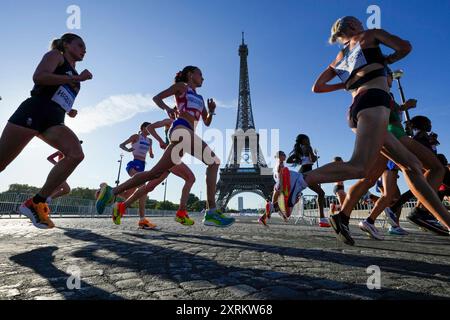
[[136, 47]]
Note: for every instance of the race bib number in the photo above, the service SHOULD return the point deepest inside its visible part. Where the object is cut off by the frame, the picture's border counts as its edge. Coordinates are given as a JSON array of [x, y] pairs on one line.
[[352, 60], [65, 97]]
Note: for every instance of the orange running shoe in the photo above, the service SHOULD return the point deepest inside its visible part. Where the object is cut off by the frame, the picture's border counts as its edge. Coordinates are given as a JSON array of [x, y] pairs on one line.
[[37, 213], [147, 225]]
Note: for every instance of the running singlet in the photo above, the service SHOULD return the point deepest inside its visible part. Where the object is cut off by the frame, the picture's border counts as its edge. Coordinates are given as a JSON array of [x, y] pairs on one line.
[[141, 147], [306, 159], [63, 95], [356, 59], [191, 102]]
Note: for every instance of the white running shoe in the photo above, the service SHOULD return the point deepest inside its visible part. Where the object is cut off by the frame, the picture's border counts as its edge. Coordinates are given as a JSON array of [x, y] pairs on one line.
[[371, 230]]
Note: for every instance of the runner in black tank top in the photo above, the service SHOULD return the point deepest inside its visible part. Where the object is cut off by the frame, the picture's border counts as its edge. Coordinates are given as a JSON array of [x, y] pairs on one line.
[[359, 68], [57, 84]]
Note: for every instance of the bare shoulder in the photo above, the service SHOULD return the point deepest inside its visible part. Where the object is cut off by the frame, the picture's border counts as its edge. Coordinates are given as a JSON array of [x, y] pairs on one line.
[[54, 55]]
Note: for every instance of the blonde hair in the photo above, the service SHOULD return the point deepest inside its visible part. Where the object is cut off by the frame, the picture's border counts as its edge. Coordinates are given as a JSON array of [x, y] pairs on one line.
[[340, 28]]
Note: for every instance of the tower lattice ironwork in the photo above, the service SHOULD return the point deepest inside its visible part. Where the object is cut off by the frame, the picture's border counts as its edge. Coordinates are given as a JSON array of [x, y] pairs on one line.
[[246, 169]]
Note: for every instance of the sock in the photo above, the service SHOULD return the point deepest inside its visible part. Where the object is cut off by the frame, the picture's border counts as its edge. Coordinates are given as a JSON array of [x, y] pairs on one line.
[[142, 219], [38, 199], [370, 220], [344, 218]]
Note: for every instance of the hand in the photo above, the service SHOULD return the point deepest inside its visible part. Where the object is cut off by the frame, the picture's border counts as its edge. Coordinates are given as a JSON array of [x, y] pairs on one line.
[[211, 106], [163, 145], [172, 113], [85, 75], [411, 103], [72, 113]]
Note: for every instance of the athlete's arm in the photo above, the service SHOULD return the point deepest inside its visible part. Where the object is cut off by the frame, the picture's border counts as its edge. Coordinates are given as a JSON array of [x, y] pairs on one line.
[[156, 125], [44, 72], [150, 151], [401, 47], [292, 159], [175, 90], [321, 85], [208, 115], [123, 145], [52, 158]]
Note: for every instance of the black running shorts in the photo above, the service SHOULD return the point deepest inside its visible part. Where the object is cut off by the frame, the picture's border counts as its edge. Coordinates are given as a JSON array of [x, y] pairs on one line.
[[38, 114], [367, 99]]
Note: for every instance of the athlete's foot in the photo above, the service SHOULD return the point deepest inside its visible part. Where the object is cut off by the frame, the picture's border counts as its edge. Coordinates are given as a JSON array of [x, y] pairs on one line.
[[371, 230], [105, 197], [37, 213], [118, 212], [398, 231], [391, 217], [215, 218], [147, 225], [324, 223], [342, 229], [183, 218], [263, 220], [425, 220]]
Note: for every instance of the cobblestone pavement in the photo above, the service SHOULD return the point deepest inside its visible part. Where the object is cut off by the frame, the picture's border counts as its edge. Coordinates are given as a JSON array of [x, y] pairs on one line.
[[245, 261]]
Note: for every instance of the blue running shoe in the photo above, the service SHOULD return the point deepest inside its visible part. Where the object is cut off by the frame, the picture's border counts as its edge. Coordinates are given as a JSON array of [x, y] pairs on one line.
[[398, 231], [105, 197], [214, 218]]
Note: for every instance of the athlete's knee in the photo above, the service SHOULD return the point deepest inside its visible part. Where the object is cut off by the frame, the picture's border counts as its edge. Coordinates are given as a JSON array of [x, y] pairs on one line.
[[75, 156], [190, 181]]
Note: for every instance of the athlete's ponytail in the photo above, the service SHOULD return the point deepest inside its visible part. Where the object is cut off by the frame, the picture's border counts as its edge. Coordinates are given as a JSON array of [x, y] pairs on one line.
[[182, 76], [58, 44]]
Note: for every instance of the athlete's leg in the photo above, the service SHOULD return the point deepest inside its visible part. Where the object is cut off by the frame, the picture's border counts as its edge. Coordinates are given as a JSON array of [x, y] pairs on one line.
[[320, 199], [362, 186], [370, 137], [390, 187], [412, 169], [63, 139], [183, 171], [13, 140], [61, 191]]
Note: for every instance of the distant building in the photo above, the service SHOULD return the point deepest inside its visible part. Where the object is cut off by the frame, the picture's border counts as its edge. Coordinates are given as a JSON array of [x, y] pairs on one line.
[[240, 203]]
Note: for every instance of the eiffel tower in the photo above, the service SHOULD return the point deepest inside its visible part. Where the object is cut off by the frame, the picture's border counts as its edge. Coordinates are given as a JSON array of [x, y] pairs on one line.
[[246, 169]]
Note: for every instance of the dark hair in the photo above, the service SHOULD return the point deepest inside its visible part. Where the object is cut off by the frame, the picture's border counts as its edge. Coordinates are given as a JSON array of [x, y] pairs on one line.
[[338, 159], [182, 76], [420, 123], [144, 125], [58, 44], [442, 159], [298, 151], [279, 153]]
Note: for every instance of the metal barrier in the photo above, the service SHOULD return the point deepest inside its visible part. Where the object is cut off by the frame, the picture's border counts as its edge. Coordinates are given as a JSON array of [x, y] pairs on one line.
[[68, 207], [305, 210]]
